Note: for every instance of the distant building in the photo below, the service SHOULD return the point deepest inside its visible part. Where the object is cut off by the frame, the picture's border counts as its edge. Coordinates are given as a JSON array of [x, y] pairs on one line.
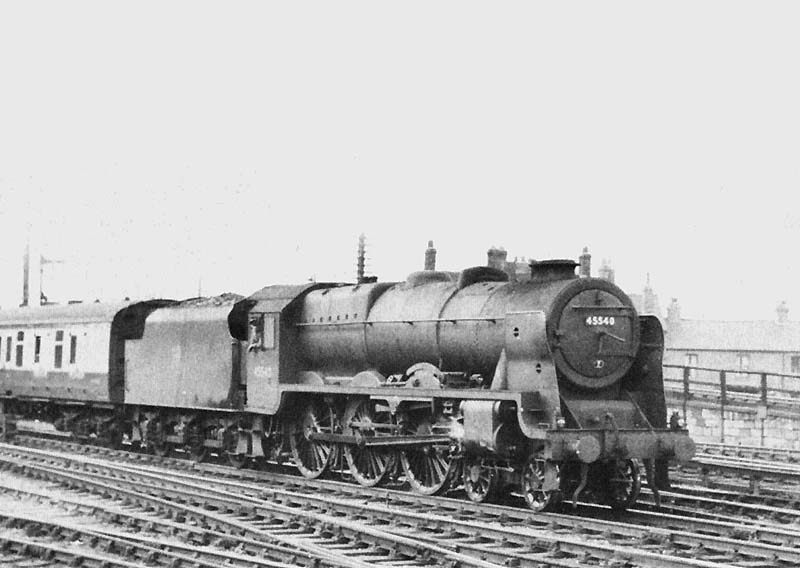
[[647, 302], [769, 346], [606, 272], [766, 345]]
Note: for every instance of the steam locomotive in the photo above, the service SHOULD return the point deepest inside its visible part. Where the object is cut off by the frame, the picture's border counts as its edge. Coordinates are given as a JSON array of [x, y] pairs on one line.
[[547, 387]]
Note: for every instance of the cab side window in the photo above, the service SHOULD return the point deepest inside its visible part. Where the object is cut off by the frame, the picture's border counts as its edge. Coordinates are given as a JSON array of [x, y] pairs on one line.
[[262, 332]]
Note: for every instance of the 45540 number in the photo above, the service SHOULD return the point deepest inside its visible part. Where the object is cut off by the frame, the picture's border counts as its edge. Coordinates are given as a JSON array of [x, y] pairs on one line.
[[600, 320]]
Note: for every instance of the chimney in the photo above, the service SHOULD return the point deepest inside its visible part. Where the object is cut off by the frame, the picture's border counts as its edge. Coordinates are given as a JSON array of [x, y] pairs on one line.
[[673, 314], [606, 272], [26, 274], [361, 258], [496, 258], [430, 257], [585, 270], [783, 312], [650, 300]]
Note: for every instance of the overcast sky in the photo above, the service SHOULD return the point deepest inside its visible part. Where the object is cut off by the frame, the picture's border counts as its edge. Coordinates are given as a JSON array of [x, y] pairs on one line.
[[158, 147]]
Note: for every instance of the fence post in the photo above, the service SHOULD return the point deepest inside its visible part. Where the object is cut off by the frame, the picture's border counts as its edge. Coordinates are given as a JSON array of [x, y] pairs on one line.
[[723, 391], [686, 375], [762, 412]]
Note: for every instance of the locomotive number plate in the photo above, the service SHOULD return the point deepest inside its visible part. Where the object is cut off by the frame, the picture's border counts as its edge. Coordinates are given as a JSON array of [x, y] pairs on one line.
[[600, 320]]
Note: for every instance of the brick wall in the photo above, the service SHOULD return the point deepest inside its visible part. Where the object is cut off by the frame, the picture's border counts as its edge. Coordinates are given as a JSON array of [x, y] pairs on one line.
[[747, 425]]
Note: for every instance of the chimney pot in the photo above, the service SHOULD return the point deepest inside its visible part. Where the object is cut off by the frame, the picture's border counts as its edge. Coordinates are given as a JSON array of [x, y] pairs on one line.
[[783, 312], [585, 263], [430, 257]]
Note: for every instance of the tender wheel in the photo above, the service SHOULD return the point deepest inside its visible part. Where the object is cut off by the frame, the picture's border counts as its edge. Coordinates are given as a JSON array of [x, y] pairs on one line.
[[368, 465], [239, 461], [157, 438], [540, 484], [110, 435], [480, 480], [195, 448], [313, 458], [428, 468], [229, 446], [623, 484]]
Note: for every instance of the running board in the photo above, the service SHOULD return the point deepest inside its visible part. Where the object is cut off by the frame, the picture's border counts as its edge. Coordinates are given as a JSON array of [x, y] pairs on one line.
[[372, 441]]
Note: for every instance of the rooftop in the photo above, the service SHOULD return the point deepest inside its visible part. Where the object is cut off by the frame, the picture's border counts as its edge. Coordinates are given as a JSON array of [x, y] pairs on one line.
[[759, 335]]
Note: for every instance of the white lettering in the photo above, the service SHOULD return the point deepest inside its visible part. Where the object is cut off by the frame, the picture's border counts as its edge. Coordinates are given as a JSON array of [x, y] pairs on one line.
[[600, 320]]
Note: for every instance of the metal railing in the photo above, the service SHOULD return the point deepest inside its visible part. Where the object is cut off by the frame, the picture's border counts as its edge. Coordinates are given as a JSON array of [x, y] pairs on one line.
[[730, 386]]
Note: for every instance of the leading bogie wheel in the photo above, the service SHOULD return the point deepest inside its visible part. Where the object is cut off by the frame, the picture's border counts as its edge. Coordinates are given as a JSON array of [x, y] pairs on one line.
[[312, 457], [540, 484], [481, 479], [623, 484]]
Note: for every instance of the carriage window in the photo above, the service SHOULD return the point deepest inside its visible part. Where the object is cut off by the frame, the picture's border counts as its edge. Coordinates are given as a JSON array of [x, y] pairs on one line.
[[58, 359], [37, 348], [73, 348], [20, 340]]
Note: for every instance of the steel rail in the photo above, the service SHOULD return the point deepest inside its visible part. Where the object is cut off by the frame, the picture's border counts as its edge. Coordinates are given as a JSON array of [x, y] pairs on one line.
[[739, 489], [132, 546], [56, 555], [768, 453], [700, 505]]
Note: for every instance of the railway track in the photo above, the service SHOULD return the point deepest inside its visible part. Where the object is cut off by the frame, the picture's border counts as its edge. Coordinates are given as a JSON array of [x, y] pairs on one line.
[[327, 537], [691, 498], [498, 535], [753, 452], [144, 537], [747, 473]]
